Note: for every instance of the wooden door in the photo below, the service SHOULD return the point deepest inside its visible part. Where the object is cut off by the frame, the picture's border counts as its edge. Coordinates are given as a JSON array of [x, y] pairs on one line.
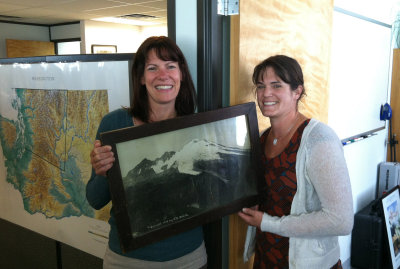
[[395, 105], [300, 29]]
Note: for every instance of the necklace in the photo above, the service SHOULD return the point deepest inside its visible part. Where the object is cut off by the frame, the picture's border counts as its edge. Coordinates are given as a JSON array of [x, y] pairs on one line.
[[275, 141]]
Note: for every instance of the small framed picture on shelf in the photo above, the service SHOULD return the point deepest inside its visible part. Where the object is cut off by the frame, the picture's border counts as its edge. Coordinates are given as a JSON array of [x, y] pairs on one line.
[[391, 210], [104, 49], [174, 175]]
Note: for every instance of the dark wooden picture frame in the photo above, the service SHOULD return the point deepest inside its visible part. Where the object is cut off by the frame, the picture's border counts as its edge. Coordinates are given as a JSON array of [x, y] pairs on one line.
[[177, 174]]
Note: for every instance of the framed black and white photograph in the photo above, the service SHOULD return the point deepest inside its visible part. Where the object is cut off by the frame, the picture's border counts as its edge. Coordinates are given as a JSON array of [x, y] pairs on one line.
[[391, 209], [174, 175]]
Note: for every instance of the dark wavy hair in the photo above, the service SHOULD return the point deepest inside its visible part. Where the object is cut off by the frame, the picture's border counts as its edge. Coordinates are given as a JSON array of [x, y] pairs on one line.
[[286, 68], [167, 50]]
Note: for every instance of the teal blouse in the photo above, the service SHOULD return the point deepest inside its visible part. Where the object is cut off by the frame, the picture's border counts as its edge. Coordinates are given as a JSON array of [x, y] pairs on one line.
[[98, 195]]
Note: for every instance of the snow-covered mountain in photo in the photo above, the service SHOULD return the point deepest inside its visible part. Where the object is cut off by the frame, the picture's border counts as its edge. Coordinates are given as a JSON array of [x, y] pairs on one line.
[[185, 159], [194, 151], [202, 175]]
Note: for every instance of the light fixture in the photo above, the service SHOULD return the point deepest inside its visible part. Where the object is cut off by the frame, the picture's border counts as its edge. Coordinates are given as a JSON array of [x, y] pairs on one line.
[[124, 20]]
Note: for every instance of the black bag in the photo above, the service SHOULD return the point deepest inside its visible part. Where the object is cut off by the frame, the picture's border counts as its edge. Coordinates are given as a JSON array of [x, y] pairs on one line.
[[369, 249]]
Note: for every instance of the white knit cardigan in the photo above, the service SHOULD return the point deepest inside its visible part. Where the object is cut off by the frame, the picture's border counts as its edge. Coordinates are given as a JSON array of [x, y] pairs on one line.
[[322, 208]]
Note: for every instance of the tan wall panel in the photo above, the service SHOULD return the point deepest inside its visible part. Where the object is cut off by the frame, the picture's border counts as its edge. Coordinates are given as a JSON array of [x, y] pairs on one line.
[[300, 29], [297, 28], [395, 102], [234, 59], [28, 48]]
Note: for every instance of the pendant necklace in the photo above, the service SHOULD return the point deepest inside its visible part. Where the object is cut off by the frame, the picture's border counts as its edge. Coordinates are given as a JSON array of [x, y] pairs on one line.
[[275, 141]]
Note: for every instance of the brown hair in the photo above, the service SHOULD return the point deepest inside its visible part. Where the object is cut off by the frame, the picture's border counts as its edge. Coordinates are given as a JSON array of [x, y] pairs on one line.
[[286, 68], [167, 50]]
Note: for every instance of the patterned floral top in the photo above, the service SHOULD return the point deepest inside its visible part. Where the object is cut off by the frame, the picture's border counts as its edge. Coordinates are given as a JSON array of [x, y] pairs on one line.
[[272, 250]]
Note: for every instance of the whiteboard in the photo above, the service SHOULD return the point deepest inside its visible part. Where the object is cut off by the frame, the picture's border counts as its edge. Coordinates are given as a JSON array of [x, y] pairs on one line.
[[360, 71]]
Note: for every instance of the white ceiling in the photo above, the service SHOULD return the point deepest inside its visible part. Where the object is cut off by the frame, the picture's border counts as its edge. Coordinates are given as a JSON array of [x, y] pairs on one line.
[[49, 12]]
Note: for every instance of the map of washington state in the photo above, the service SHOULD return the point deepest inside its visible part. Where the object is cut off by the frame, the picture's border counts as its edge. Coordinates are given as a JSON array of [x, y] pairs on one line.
[[46, 150]]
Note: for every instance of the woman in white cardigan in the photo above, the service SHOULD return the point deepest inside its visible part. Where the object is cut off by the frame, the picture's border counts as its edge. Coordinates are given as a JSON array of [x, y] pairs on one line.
[[307, 202]]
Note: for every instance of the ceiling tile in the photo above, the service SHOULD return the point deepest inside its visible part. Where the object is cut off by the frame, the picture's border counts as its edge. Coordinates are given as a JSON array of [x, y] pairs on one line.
[[62, 11]]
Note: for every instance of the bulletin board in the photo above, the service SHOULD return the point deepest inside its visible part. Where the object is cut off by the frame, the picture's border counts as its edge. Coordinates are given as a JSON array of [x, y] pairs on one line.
[[360, 74], [50, 109], [28, 48]]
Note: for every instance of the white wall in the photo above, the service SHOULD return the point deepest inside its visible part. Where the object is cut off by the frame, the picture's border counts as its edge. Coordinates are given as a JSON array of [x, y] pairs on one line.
[[186, 33], [127, 38], [383, 10], [21, 32], [65, 31], [148, 31], [363, 157]]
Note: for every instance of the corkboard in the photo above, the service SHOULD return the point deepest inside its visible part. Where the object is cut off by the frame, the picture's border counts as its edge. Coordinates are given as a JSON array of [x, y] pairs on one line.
[[28, 48], [297, 28]]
